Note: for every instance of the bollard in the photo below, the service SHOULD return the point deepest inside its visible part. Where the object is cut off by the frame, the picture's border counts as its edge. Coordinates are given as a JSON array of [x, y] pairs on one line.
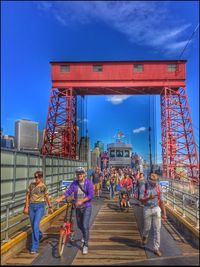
[[197, 213], [7, 223], [174, 201], [167, 195], [183, 206]]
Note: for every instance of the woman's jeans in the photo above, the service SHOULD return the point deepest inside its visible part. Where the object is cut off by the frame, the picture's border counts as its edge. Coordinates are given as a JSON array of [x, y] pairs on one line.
[[83, 222], [36, 212]]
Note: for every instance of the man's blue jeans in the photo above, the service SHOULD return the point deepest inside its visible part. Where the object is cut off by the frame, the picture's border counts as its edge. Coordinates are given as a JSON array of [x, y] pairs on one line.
[[112, 190], [83, 222], [36, 212]]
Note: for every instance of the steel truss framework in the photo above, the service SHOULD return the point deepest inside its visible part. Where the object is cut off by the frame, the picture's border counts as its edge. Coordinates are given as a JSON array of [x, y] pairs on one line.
[[164, 78], [179, 153], [60, 133]]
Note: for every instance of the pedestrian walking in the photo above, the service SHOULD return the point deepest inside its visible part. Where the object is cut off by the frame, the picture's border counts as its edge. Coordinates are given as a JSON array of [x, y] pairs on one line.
[[152, 198], [36, 196], [97, 178], [83, 194]]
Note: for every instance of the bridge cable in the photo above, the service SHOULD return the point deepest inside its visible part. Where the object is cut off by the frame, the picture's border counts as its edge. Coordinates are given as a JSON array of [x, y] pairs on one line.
[[189, 41], [155, 132], [150, 155]]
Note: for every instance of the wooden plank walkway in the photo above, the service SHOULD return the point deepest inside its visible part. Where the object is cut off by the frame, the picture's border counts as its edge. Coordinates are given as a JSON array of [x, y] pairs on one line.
[[114, 238]]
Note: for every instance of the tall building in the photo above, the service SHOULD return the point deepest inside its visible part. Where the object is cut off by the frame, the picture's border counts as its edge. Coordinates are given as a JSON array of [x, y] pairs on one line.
[[26, 135], [40, 138], [84, 149], [100, 145], [77, 142], [95, 158]]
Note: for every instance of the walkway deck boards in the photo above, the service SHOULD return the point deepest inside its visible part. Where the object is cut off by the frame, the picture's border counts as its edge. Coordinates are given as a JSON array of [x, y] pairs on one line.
[[114, 238]]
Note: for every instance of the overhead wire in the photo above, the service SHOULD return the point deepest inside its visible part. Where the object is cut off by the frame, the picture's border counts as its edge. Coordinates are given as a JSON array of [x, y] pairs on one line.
[[189, 40]]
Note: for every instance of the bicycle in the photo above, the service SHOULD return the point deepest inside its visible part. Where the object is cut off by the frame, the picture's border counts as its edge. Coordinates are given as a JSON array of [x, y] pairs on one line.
[[65, 233]]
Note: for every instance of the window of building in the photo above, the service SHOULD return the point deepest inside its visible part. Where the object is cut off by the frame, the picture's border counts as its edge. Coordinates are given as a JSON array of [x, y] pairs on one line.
[[171, 67], [126, 154], [64, 68], [112, 153], [119, 153], [138, 67], [97, 68]]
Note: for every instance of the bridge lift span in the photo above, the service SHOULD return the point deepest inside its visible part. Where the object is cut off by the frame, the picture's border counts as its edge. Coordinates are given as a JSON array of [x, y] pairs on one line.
[[166, 78]]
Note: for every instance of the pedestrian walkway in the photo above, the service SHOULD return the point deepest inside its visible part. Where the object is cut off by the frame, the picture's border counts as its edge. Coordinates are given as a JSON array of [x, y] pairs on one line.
[[114, 238]]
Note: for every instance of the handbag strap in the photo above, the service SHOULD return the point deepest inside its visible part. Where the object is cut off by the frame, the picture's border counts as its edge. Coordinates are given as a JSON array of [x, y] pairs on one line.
[[82, 188]]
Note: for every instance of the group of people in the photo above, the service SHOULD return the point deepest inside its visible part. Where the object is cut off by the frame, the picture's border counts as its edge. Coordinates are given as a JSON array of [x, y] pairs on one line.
[[83, 189]]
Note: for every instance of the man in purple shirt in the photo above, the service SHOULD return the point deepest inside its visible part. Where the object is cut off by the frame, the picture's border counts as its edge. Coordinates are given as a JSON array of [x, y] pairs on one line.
[[83, 194]]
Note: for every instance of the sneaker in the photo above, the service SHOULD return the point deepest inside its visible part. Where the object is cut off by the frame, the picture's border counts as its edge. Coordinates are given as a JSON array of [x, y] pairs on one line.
[[157, 253], [144, 240], [85, 250]]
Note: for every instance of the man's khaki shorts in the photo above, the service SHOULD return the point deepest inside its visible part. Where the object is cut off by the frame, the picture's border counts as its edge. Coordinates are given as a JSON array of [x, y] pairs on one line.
[[97, 186]]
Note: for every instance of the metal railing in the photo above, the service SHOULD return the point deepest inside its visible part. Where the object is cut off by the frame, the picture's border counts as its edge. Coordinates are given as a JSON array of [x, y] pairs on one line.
[[187, 204], [185, 186], [17, 171], [9, 206]]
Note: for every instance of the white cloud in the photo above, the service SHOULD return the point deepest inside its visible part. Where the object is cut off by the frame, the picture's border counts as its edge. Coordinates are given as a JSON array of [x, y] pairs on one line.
[[176, 45], [138, 130], [44, 5], [117, 99], [143, 22]]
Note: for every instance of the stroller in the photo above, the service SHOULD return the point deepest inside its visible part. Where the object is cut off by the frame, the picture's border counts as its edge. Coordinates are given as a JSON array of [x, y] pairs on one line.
[[124, 200]]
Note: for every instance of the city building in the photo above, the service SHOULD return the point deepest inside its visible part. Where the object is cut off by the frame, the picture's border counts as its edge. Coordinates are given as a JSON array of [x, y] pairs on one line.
[[40, 139], [7, 141], [84, 149], [77, 142], [100, 145], [26, 135], [95, 158]]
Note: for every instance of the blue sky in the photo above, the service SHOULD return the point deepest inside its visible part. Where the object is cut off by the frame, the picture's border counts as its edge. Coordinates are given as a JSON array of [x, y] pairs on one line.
[[34, 33]]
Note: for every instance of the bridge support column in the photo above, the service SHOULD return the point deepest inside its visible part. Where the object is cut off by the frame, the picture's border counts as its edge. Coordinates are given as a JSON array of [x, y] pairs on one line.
[[179, 153], [60, 133]]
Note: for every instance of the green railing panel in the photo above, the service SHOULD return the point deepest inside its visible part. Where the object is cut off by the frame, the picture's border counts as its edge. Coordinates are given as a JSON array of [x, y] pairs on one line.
[[7, 157], [21, 172], [7, 173], [6, 188]]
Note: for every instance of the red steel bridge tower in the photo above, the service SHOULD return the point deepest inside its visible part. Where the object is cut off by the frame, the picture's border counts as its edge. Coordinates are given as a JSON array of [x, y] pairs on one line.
[[166, 78]]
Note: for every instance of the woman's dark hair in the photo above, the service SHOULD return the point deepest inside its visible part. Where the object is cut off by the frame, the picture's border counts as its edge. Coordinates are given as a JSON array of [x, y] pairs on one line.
[[38, 173]]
